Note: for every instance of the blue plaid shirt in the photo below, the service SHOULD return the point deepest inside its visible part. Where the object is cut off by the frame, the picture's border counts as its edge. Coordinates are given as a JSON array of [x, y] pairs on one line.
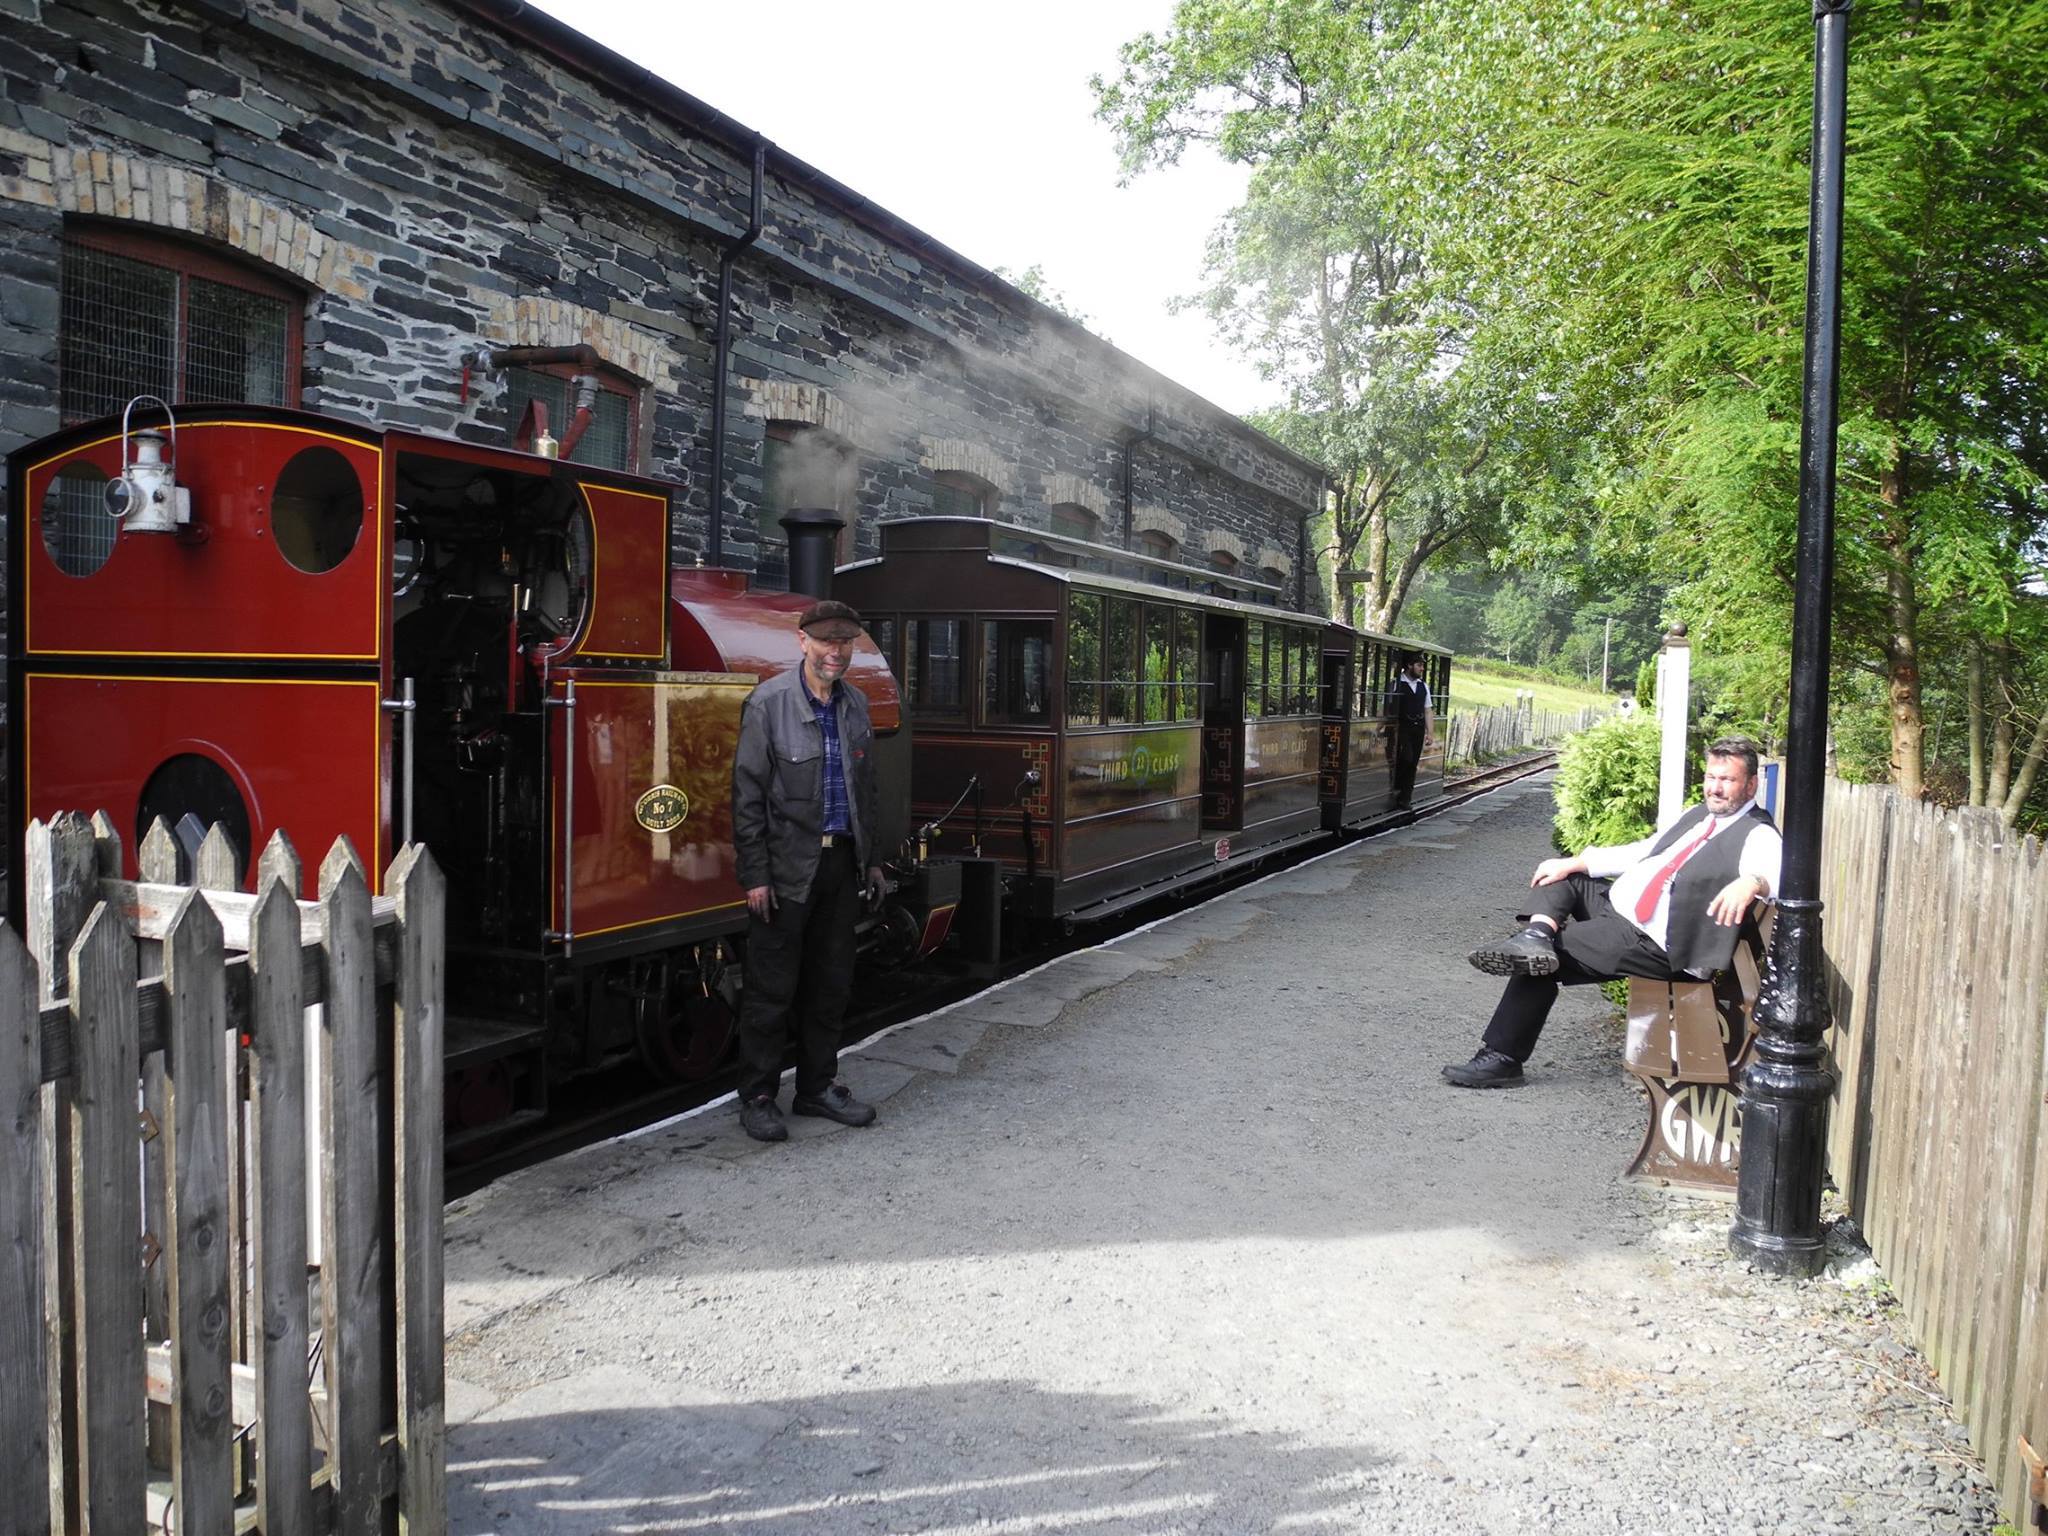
[[838, 809]]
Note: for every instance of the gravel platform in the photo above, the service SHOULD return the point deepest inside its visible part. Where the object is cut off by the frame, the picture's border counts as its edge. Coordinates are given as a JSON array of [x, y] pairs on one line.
[[1185, 1235]]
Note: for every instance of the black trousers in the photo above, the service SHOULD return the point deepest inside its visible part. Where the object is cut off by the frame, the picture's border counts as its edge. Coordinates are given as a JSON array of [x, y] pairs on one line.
[[800, 970], [1595, 943], [1407, 753]]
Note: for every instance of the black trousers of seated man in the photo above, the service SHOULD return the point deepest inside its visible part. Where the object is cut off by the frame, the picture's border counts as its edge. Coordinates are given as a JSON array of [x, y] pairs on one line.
[[1595, 943], [800, 972]]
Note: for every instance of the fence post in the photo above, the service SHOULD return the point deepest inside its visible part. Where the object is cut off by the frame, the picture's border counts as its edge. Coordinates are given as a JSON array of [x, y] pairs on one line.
[[350, 1262], [60, 876], [196, 1151], [107, 1219], [277, 1198], [417, 1113], [1674, 713], [24, 1429], [157, 863]]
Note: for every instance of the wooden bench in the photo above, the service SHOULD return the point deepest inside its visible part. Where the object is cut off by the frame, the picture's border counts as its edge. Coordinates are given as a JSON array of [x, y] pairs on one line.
[[1688, 1042]]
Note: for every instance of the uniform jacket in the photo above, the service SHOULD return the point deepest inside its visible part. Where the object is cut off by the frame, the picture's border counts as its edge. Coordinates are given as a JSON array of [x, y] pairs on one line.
[[778, 792]]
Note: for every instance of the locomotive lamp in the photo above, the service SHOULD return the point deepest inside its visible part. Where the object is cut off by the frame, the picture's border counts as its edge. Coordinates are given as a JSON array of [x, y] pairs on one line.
[[146, 496]]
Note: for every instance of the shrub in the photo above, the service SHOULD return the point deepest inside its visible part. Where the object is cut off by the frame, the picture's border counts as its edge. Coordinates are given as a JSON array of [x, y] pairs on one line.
[[1607, 784]]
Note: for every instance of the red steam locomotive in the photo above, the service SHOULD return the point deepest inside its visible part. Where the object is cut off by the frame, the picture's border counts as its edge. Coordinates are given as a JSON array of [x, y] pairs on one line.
[[275, 621]]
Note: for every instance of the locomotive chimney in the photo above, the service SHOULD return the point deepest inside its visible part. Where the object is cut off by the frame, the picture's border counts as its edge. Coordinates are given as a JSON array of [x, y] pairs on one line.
[[813, 548]]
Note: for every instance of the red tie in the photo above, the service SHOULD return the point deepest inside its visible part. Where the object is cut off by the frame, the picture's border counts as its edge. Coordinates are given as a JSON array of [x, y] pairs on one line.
[[1646, 904]]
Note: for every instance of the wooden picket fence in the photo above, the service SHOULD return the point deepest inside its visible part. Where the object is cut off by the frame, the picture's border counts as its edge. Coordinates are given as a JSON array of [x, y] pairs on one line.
[[167, 1368], [1936, 928], [1481, 735]]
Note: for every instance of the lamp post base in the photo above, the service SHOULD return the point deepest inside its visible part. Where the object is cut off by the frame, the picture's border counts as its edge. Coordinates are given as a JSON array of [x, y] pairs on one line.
[[1784, 1134]]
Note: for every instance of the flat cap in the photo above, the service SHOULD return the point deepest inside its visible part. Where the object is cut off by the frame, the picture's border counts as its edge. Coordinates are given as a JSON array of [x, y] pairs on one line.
[[828, 611]]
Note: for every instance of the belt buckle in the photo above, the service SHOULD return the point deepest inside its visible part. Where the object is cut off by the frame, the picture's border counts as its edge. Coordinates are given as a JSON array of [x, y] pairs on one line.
[[829, 840]]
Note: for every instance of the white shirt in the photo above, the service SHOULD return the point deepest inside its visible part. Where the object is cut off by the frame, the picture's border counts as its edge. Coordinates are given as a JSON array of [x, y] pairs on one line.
[[1632, 866]]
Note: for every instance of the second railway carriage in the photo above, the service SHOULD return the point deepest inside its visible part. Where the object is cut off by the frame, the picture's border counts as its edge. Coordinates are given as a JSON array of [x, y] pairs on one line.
[[1359, 667], [1104, 726]]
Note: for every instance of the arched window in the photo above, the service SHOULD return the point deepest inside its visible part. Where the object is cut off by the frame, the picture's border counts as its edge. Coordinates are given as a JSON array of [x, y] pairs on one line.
[[1273, 576], [955, 493], [1223, 561], [149, 314], [1156, 544], [1074, 521]]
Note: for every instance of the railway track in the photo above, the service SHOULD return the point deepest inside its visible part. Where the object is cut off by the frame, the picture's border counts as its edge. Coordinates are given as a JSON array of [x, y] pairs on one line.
[[605, 1105]]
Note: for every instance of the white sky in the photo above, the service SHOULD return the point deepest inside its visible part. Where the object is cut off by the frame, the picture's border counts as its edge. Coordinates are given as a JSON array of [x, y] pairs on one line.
[[974, 123]]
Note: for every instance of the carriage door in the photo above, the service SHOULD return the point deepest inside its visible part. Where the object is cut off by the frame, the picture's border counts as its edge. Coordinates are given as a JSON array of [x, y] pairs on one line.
[[1222, 724], [1337, 694]]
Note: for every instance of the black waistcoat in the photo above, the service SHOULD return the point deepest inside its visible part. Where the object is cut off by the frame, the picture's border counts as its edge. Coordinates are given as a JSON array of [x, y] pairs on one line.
[[1693, 940], [1405, 704]]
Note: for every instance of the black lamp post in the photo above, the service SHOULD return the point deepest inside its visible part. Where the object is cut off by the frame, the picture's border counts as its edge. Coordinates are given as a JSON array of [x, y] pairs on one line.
[[1786, 1086]]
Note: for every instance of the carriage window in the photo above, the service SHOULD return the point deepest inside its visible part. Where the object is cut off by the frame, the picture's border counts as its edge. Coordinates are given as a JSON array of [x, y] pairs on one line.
[[1187, 663], [1120, 663], [1279, 670], [1016, 671], [1305, 674], [1158, 671], [883, 632], [931, 666], [1084, 660], [1254, 669]]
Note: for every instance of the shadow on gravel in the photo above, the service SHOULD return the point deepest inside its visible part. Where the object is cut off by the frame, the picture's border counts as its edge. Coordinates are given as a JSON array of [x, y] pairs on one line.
[[911, 1460]]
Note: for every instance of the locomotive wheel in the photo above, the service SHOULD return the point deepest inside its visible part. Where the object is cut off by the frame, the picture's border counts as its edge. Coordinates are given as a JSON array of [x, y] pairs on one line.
[[689, 1041]]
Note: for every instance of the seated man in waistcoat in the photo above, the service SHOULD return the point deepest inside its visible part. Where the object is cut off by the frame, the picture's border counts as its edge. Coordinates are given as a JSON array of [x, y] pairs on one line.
[[1668, 907]]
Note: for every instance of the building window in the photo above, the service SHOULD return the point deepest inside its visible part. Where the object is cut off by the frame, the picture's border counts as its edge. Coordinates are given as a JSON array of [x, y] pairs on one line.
[[1075, 522], [1273, 576], [1223, 561], [1156, 544], [956, 494], [145, 315], [611, 441]]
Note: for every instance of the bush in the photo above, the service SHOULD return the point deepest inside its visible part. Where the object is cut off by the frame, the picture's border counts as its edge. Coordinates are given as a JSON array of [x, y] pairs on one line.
[[1607, 784]]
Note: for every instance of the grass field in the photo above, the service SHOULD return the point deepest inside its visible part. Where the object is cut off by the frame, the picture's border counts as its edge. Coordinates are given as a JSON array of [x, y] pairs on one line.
[[1473, 687]]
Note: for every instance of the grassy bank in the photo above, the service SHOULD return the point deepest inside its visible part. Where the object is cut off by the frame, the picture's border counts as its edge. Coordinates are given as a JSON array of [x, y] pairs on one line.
[[1473, 687]]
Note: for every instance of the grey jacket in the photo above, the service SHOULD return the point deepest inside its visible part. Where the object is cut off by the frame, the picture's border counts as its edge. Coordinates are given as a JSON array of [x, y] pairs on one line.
[[778, 791]]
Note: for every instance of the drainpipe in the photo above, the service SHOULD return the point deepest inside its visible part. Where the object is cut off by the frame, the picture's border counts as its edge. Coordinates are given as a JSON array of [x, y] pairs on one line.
[[1130, 443], [721, 352], [1301, 565]]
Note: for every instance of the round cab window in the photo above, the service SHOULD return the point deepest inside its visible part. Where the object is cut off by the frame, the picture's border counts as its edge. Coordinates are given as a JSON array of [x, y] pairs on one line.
[[317, 510], [77, 531]]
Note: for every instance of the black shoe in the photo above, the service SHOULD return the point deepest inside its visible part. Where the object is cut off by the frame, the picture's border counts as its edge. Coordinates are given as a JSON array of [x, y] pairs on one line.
[[760, 1119], [1488, 1069], [1532, 952], [835, 1103]]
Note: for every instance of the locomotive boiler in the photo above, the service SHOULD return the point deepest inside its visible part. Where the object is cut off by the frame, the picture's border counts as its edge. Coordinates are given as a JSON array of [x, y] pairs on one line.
[[273, 621]]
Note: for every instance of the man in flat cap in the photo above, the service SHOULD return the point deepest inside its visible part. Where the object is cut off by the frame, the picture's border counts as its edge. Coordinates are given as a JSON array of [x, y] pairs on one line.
[[803, 826]]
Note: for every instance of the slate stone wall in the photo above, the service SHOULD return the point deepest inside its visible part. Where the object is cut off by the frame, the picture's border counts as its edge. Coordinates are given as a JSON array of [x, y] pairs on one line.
[[437, 179]]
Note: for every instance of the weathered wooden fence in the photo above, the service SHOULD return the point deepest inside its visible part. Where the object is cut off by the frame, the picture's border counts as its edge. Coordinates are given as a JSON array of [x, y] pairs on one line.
[[1480, 735], [172, 1364], [1937, 935]]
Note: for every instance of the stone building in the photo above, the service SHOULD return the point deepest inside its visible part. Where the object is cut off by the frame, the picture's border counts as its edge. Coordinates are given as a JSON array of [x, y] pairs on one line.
[[338, 204]]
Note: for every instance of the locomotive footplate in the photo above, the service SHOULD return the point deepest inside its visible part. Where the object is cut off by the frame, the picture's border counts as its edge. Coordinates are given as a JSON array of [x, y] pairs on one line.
[[496, 1078]]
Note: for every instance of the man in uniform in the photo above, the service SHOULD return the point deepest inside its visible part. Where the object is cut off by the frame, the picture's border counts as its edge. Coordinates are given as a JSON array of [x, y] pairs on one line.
[[1409, 714], [803, 827], [1667, 907]]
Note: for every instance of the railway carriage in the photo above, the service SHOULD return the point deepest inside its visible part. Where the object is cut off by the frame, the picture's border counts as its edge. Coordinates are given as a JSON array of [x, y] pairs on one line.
[[1359, 667], [1108, 727]]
